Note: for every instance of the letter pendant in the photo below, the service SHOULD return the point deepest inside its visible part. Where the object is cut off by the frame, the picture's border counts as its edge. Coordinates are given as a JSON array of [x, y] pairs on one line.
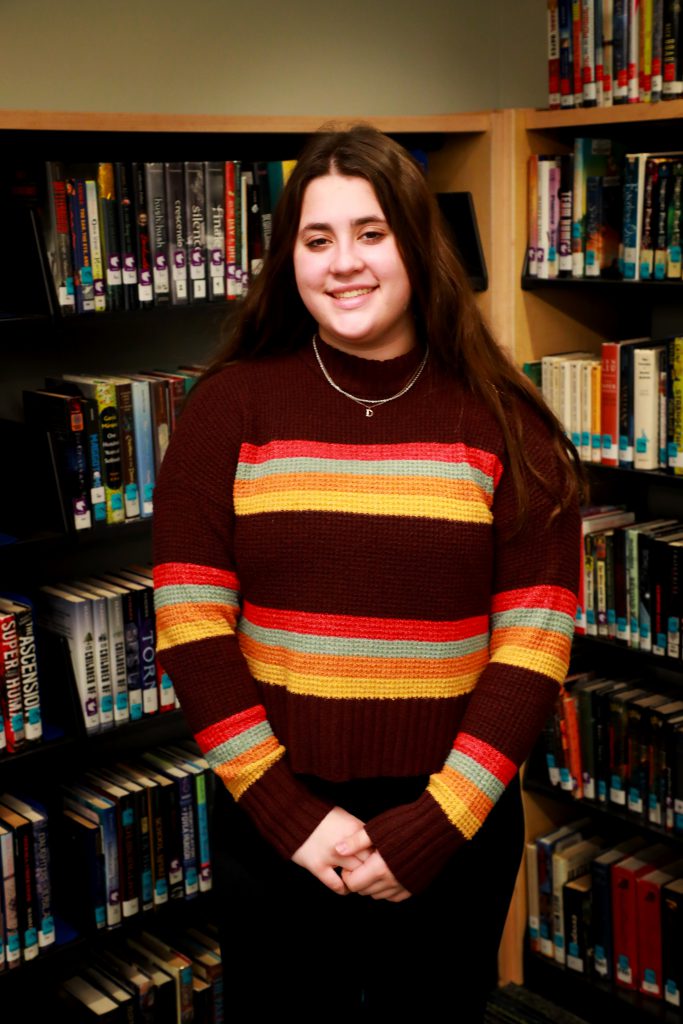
[[369, 412]]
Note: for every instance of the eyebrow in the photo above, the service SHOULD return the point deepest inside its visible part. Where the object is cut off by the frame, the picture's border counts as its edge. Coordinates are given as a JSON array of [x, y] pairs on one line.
[[357, 223]]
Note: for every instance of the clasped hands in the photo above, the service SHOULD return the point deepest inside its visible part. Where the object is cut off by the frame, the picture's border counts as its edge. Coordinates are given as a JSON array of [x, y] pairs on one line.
[[340, 841]]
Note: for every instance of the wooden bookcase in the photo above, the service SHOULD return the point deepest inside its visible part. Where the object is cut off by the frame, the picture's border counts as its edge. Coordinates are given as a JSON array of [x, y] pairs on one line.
[[467, 152], [560, 315]]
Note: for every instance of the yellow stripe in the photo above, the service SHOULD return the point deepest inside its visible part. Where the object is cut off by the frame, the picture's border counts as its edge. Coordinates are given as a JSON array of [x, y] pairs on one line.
[[535, 661], [456, 810], [189, 632], [365, 504], [238, 786], [341, 688]]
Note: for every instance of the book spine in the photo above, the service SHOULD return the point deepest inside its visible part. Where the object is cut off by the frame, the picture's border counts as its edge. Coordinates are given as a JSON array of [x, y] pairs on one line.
[[609, 407], [95, 241], [577, 51], [98, 499], [117, 659], [672, 84], [159, 850], [625, 927], [111, 241], [607, 53], [576, 911], [645, 52], [626, 434], [661, 221], [105, 696], [620, 29], [647, 241], [599, 67], [30, 692], [195, 210], [59, 238], [657, 49], [203, 842], [143, 249], [566, 56], [596, 412], [26, 890], [585, 408], [633, 50], [126, 220], [578, 223], [565, 205], [676, 406], [130, 632], [553, 218], [663, 407], [214, 184], [9, 892], [672, 941], [131, 492], [10, 682], [673, 222], [144, 445], [105, 395], [630, 219], [177, 232], [649, 937], [232, 291], [593, 243], [553, 56], [41, 860], [646, 408], [78, 222], [675, 603], [588, 52], [158, 232], [146, 636], [620, 588], [543, 220]]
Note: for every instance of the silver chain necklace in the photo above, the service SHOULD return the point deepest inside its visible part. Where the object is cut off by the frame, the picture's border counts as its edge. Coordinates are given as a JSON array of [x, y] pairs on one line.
[[369, 403]]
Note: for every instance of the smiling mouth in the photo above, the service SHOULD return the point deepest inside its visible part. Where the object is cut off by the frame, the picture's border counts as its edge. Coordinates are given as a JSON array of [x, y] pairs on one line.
[[351, 293]]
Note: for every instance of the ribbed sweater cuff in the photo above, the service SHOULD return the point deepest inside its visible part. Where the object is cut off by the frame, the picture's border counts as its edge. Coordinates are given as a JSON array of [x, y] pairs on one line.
[[283, 810], [416, 840]]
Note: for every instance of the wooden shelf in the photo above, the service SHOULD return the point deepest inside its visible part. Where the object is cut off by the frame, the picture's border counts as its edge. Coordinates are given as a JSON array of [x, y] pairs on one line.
[[91, 121], [630, 113]]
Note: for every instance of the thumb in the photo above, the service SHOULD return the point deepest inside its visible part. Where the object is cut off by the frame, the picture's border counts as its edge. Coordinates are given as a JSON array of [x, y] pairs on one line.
[[355, 843]]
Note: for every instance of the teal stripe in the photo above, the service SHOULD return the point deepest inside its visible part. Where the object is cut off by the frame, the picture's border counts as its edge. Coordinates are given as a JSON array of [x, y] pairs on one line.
[[475, 772], [305, 643], [192, 593], [536, 618], [238, 745], [360, 467]]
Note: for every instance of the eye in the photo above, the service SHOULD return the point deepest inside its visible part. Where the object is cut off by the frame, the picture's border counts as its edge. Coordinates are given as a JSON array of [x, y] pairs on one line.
[[373, 235], [316, 243]]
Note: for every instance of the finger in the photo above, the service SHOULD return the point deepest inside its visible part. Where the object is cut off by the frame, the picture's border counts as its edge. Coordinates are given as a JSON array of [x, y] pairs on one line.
[[365, 876], [360, 840], [400, 897], [388, 894], [329, 877], [348, 863]]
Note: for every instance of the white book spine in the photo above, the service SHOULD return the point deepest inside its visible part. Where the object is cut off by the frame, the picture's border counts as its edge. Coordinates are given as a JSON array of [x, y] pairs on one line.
[[73, 621], [95, 239], [646, 412], [586, 402], [633, 51], [542, 250]]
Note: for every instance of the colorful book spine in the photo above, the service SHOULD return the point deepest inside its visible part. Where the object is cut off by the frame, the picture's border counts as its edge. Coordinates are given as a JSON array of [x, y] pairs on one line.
[[232, 290], [78, 223], [108, 209], [647, 240], [28, 665], [620, 32], [599, 66], [633, 50], [95, 240], [59, 238], [657, 50], [532, 215], [662, 198], [588, 52], [11, 703], [674, 214], [577, 52], [645, 52], [143, 249], [566, 54], [144, 444]]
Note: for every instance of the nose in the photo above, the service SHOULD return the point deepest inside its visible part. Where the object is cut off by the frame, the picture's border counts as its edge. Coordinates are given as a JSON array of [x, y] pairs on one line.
[[346, 258]]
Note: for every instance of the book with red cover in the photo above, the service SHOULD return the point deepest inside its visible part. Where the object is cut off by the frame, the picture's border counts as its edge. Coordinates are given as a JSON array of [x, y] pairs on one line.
[[625, 913], [649, 891]]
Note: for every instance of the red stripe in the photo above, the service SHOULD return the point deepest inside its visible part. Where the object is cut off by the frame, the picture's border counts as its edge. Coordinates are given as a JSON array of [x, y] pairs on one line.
[[178, 573], [487, 756], [485, 461], [361, 627], [557, 599], [218, 733]]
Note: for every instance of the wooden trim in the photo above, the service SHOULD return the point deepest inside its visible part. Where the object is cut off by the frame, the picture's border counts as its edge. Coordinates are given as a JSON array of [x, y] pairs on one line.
[[629, 113], [45, 120]]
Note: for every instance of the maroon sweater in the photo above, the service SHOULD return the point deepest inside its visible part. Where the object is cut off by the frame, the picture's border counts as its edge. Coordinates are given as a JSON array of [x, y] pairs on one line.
[[340, 595]]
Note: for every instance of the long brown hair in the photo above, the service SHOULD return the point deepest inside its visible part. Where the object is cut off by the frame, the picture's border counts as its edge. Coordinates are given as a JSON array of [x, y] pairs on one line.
[[273, 318]]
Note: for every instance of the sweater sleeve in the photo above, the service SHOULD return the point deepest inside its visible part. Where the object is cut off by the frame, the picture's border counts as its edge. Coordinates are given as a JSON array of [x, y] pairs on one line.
[[197, 601], [531, 622]]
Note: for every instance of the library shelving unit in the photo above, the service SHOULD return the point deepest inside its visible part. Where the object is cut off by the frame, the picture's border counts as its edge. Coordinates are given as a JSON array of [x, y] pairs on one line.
[[464, 154], [546, 317]]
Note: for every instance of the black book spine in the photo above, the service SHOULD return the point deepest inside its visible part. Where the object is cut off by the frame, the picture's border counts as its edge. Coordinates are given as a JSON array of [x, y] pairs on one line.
[[126, 222], [177, 232], [214, 177], [195, 212], [111, 242], [143, 252]]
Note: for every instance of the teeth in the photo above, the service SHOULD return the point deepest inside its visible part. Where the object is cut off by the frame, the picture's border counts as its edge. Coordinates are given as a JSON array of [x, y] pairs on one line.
[[352, 293]]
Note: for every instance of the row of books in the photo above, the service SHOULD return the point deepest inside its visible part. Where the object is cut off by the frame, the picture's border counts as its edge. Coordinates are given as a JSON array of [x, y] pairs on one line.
[[109, 626], [159, 975], [601, 212], [630, 580], [27, 923], [129, 235], [20, 707], [137, 835], [102, 439], [610, 911], [605, 52], [614, 742], [622, 407]]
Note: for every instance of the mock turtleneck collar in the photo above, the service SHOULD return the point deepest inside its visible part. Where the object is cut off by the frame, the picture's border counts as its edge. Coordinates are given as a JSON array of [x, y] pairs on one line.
[[367, 378]]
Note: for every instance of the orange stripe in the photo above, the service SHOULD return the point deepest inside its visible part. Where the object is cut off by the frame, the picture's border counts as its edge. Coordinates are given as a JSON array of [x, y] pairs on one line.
[[478, 802], [538, 639], [234, 767], [181, 614], [463, 490]]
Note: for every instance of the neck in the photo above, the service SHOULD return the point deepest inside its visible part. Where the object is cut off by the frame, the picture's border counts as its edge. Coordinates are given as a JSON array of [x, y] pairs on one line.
[[364, 376]]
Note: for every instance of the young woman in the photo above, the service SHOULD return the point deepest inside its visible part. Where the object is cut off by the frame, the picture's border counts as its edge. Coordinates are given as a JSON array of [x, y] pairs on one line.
[[366, 549]]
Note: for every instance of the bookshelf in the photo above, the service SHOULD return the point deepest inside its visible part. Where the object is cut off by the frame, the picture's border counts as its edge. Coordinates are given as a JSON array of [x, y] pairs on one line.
[[465, 154], [546, 317]]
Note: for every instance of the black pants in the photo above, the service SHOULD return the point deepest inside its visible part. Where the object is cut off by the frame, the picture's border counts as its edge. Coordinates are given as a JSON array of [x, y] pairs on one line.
[[290, 944]]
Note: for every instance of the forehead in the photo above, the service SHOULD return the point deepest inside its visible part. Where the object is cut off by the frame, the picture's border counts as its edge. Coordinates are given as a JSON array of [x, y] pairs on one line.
[[338, 195]]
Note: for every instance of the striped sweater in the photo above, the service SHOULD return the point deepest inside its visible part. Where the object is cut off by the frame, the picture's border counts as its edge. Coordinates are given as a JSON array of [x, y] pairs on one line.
[[341, 595]]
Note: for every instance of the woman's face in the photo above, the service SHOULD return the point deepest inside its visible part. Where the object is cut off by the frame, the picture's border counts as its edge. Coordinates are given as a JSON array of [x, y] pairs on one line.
[[349, 272]]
